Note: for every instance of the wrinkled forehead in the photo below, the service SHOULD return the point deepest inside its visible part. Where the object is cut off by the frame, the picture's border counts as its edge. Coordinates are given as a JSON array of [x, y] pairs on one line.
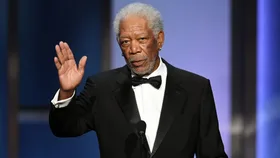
[[134, 24]]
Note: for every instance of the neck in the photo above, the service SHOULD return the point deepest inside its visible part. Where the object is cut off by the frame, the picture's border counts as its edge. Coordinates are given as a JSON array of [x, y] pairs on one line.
[[156, 64]]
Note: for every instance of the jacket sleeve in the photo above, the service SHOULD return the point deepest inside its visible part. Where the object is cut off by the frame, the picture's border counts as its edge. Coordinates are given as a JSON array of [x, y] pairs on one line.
[[77, 117]]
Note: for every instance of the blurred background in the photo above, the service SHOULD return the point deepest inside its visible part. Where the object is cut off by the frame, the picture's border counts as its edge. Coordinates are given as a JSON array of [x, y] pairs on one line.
[[234, 43]]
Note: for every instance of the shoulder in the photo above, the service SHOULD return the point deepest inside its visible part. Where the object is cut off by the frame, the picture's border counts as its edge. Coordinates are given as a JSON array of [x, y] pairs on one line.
[[189, 76], [194, 84], [185, 76], [190, 80]]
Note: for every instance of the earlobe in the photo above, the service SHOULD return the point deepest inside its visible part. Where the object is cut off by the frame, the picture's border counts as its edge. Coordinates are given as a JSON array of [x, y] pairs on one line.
[[159, 46]]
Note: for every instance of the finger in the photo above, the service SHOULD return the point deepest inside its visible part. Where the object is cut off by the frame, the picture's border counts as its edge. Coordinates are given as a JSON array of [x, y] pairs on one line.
[[82, 64], [57, 63], [59, 54], [63, 50], [69, 51]]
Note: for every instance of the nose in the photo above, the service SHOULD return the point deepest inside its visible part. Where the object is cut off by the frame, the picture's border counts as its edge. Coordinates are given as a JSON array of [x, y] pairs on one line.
[[135, 47]]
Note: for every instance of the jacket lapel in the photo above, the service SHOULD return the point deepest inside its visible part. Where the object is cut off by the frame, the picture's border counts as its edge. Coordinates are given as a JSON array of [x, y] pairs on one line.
[[173, 102], [125, 96], [174, 99]]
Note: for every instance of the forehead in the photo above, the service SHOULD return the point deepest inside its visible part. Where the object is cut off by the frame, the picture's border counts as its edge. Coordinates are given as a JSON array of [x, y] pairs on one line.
[[134, 24]]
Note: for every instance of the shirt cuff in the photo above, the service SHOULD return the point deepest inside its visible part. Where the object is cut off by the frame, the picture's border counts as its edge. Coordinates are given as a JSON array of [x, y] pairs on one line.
[[61, 103]]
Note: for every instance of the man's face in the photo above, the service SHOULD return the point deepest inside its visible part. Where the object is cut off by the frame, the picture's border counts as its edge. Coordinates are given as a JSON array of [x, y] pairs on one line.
[[139, 45]]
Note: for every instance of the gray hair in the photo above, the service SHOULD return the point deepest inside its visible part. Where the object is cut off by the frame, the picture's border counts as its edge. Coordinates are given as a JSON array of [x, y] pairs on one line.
[[151, 14]]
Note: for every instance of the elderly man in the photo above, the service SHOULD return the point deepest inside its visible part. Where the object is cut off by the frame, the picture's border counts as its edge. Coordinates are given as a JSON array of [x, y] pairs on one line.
[[147, 108]]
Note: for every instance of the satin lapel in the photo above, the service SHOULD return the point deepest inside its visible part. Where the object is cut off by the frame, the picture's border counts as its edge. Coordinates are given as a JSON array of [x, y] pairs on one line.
[[125, 97], [173, 102]]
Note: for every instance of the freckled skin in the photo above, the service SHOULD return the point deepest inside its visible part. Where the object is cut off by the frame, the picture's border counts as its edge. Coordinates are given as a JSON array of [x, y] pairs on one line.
[[139, 45]]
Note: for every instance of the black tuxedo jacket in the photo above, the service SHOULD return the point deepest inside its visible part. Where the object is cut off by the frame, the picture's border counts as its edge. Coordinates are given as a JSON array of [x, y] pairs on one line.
[[188, 122]]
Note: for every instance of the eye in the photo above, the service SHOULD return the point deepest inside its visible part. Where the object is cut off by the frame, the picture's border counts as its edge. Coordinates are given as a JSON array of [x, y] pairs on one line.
[[124, 42], [142, 39]]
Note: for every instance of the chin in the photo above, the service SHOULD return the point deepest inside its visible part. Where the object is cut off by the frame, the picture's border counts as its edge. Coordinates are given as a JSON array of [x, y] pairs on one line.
[[141, 71]]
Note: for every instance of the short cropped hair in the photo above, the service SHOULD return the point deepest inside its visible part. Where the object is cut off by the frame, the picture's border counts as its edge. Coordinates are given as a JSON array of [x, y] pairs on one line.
[[146, 11]]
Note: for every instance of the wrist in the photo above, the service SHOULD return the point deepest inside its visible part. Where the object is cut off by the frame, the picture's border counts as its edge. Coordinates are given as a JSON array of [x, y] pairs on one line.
[[65, 94]]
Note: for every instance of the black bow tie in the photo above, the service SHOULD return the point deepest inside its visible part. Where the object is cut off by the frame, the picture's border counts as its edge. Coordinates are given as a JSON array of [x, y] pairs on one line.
[[154, 81]]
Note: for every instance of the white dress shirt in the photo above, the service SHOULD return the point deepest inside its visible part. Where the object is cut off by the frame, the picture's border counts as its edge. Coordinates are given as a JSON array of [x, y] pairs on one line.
[[149, 102]]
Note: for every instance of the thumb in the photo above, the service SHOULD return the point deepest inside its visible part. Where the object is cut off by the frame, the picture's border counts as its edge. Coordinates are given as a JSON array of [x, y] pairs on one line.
[[82, 64]]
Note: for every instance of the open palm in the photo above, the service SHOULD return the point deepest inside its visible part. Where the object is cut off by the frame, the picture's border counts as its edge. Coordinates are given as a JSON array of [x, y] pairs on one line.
[[70, 75]]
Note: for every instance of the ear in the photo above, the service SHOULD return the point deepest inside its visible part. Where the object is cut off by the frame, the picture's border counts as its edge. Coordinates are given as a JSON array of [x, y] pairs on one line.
[[160, 39]]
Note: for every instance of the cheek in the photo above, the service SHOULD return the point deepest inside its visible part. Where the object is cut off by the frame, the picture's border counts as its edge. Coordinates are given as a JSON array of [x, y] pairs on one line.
[[144, 47], [150, 50]]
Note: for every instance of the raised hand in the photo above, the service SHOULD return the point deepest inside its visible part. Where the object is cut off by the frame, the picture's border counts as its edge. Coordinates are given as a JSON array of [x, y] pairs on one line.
[[70, 75]]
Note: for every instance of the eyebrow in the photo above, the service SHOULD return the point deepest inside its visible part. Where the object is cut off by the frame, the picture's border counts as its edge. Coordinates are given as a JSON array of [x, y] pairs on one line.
[[136, 34]]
